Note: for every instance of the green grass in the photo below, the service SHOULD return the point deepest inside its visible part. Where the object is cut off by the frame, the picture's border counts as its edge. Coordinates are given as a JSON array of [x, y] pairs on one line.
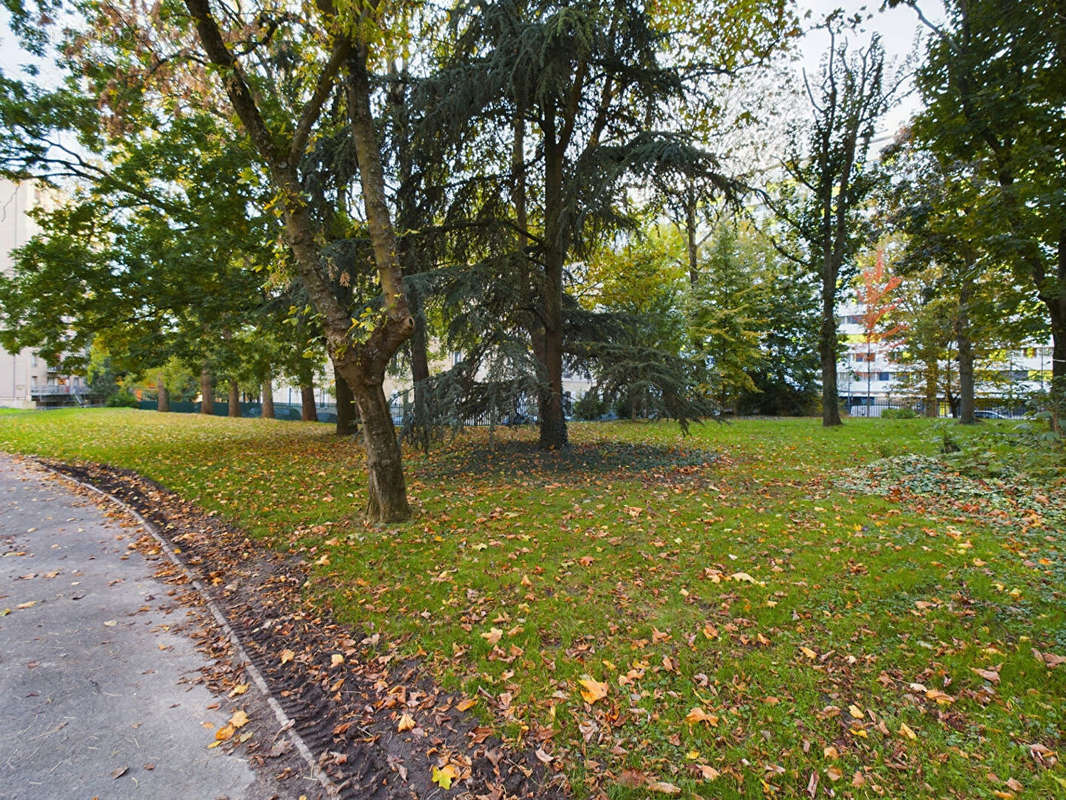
[[727, 571]]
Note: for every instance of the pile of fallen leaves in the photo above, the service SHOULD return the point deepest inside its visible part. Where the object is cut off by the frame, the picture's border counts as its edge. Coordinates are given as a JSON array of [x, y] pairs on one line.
[[1007, 500]]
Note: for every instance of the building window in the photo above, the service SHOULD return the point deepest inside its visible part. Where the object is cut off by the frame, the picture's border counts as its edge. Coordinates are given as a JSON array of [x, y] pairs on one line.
[[884, 376]]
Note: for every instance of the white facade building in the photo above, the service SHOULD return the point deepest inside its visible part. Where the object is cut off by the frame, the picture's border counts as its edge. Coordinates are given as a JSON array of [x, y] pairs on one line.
[[26, 381], [869, 378]]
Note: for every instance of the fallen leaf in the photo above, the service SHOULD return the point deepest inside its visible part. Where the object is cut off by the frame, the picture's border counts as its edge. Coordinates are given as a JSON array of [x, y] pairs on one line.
[[406, 723], [697, 715], [336, 660], [834, 773], [991, 675], [240, 688], [905, 730], [592, 690], [239, 719], [492, 636], [466, 704], [444, 777], [742, 576], [662, 787], [287, 656], [118, 773], [707, 773], [808, 652], [224, 733]]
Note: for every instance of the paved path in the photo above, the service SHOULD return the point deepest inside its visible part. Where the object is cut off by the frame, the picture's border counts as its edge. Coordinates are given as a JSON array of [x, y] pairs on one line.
[[93, 678]]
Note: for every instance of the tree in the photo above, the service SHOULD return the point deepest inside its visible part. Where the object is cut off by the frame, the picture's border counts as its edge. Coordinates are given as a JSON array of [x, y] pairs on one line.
[[829, 180], [588, 98], [875, 295], [965, 295], [994, 84]]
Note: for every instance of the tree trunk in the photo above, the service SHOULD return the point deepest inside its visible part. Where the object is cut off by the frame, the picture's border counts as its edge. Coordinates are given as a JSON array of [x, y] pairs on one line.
[[347, 413], [162, 401], [308, 411], [234, 409], [268, 398], [420, 372], [691, 246], [207, 392], [827, 348], [932, 388], [965, 355], [385, 481], [553, 433]]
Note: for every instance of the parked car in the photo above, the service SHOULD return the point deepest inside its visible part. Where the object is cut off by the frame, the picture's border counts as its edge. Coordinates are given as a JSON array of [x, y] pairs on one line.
[[984, 413]]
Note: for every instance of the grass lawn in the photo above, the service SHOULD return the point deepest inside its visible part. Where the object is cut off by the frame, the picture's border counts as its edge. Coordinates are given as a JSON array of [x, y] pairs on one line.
[[729, 614]]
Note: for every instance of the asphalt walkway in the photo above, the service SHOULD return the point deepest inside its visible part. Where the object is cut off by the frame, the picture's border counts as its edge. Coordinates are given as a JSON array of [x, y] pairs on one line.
[[97, 690]]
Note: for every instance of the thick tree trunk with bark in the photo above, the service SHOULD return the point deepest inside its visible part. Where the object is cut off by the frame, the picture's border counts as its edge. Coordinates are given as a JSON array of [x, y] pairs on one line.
[[308, 410], [965, 355], [827, 350], [234, 409], [553, 433], [162, 398], [207, 392], [268, 398], [347, 413], [384, 460]]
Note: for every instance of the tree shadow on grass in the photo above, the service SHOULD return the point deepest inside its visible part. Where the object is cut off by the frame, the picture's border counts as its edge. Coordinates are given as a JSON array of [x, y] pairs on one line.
[[512, 459]]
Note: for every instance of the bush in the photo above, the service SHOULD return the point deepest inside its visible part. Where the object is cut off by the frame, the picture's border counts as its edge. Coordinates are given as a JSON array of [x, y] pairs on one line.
[[122, 399], [898, 413], [590, 406]]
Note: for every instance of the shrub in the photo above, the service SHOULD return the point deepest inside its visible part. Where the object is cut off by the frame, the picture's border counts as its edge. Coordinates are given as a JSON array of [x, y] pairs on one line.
[[123, 398], [898, 413], [590, 406]]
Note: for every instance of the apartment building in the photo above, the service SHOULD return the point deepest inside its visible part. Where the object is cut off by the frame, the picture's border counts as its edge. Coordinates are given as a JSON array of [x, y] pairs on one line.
[[870, 375], [26, 381]]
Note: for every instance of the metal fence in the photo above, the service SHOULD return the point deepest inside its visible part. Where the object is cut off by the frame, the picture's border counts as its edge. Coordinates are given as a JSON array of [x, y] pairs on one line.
[[985, 407]]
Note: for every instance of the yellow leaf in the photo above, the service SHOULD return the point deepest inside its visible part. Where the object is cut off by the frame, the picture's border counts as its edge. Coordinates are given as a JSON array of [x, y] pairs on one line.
[[336, 660], [493, 636], [224, 733], [698, 715], [834, 773], [239, 719], [406, 723], [742, 576], [444, 777], [287, 656], [592, 690], [808, 652], [855, 711], [240, 688], [466, 704], [905, 730]]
